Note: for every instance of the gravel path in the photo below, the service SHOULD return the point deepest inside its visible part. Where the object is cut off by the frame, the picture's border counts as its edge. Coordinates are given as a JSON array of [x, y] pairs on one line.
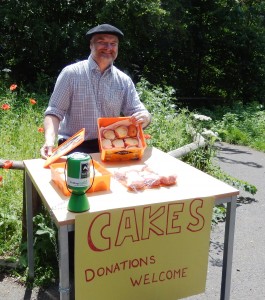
[[248, 271]]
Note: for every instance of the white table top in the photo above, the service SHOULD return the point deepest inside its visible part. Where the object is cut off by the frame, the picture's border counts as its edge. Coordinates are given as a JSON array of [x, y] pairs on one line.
[[191, 183]]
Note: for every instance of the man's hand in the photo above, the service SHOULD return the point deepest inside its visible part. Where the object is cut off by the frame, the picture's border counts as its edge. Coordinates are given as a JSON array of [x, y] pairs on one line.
[[51, 125], [46, 151], [141, 117]]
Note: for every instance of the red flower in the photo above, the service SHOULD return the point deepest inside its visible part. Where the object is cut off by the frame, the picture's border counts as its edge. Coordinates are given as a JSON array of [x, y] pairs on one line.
[[147, 136], [32, 101], [1, 178], [5, 106], [13, 87], [40, 129], [7, 164]]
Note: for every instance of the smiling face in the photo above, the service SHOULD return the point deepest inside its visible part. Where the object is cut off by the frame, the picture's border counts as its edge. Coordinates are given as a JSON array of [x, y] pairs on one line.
[[104, 49]]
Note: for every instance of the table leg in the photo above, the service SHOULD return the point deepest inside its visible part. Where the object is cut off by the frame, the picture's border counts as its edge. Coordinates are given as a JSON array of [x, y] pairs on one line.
[[228, 248], [29, 216], [64, 287]]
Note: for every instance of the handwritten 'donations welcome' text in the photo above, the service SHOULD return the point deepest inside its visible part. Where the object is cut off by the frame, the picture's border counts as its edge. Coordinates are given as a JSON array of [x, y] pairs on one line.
[[143, 279], [138, 224]]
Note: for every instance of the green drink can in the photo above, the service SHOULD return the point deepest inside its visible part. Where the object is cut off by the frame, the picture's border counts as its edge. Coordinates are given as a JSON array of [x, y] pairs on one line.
[[78, 172]]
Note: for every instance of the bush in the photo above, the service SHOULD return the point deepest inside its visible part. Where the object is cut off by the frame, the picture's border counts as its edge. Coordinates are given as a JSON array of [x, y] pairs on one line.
[[168, 129], [242, 124]]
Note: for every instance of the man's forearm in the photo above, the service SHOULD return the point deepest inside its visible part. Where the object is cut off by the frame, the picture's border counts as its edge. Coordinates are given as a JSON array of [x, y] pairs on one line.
[[51, 126]]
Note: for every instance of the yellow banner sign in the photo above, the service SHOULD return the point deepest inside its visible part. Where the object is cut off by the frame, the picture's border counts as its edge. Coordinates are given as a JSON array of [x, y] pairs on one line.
[[150, 252]]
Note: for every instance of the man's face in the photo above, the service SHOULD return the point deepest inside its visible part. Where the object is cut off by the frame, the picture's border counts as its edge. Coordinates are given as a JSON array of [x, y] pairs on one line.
[[104, 48]]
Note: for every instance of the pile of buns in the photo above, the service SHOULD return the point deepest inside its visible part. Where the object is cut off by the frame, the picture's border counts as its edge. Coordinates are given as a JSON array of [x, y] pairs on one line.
[[121, 137]]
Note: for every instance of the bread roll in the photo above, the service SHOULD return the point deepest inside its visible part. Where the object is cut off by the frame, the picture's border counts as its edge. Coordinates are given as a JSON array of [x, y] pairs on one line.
[[106, 144], [109, 134], [131, 142], [132, 130], [121, 131], [118, 143]]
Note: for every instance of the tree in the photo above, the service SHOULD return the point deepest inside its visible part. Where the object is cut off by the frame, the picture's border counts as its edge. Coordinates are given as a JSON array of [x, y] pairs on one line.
[[43, 36], [203, 48]]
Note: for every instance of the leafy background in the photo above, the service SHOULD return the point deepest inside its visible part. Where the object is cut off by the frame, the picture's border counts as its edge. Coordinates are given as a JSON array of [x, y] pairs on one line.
[[202, 48]]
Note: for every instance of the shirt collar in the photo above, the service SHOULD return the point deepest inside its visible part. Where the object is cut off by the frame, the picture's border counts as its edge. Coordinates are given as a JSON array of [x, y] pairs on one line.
[[94, 66]]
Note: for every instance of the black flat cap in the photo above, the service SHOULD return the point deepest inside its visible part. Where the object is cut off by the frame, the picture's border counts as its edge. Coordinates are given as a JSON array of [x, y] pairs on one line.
[[104, 28]]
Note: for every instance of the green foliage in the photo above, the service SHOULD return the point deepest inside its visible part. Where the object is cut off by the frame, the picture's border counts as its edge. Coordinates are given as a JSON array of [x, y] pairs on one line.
[[22, 138], [202, 157], [219, 213], [10, 215], [237, 183], [46, 249], [168, 127], [21, 124], [242, 124], [19, 128], [41, 36], [210, 48]]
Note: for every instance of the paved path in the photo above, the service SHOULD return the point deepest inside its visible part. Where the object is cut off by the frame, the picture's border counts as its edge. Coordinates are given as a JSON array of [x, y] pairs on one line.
[[248, 269], [248, 275]]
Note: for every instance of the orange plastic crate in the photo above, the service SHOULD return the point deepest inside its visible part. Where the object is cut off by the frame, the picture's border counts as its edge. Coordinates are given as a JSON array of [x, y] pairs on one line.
[[101, 183], [120, 154]]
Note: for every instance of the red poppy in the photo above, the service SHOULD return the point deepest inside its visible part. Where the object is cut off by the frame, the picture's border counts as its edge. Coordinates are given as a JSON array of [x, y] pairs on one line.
[[32, 101], [5, 106], [7, 164], [40, 129], [147, 136], [1, 178], [13, 87]]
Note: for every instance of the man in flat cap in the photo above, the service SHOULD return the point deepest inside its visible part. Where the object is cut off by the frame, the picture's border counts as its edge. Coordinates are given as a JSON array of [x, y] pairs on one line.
[[90, 89]]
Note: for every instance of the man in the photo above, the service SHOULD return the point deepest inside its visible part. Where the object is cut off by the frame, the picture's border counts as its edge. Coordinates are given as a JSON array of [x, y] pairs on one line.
[[90, 89]]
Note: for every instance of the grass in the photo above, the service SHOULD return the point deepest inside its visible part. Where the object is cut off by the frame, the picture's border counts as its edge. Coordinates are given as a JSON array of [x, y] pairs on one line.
[[21, 136]]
